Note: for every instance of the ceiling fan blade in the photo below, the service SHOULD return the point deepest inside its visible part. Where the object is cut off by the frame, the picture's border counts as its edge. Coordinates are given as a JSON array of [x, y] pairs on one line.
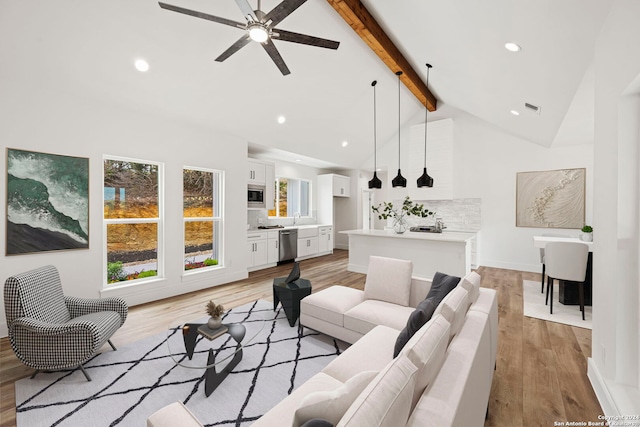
[[288, 36], [242, 42], [201, 15], [281, 11], [246, 9], [275, 56]]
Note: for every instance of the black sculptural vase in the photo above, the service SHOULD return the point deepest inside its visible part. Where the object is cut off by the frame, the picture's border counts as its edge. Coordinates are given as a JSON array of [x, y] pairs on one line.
[[295, 273]]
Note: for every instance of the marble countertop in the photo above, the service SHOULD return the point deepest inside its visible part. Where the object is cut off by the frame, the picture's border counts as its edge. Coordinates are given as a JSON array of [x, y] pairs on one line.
[[445, 236], [287, 227]]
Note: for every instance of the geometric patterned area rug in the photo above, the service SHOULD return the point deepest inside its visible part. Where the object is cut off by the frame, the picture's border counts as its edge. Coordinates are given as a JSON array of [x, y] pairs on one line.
[[130, 384], [534, 306]]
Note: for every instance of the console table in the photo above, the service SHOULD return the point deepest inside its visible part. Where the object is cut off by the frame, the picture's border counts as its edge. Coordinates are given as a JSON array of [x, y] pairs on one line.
[[569, 294]]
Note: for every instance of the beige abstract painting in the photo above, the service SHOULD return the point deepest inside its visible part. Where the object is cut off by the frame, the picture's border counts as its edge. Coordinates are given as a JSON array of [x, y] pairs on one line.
[[551, 199]]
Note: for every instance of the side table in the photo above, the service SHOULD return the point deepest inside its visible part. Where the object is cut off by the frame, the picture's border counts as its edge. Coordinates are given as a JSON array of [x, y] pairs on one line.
[[290, 294]]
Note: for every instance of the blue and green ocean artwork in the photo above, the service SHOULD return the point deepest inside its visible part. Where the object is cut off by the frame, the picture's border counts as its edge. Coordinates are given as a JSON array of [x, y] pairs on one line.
[[47, 202]]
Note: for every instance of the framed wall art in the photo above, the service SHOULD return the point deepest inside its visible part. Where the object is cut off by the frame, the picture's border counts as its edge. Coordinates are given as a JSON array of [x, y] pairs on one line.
[[551, 199], [47, 202]]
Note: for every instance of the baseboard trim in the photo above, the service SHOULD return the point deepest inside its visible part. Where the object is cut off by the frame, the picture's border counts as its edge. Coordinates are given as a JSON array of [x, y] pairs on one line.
[[601, 390]]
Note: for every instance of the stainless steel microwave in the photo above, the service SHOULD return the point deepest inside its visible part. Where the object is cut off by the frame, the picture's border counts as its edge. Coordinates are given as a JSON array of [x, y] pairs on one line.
[[256, 196]]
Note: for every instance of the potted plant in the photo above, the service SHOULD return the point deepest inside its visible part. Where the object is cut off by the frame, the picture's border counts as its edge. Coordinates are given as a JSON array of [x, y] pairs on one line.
[[386, 210], [215, 311], [587, 234]]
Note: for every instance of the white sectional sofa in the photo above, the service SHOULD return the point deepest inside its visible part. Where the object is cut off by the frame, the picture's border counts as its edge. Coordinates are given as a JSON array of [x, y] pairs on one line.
[[441, 377]]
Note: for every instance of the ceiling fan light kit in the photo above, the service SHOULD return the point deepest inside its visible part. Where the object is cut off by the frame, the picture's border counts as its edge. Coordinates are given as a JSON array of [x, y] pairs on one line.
[[425, 180], [258, 33], [399, 180], [375, 181], [260, 27]]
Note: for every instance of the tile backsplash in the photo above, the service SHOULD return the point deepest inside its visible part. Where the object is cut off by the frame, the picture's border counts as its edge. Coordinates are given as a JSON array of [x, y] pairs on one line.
[[457, 214]]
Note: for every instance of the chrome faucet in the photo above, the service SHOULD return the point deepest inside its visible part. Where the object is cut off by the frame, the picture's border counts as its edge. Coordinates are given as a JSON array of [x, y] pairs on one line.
[[296, 216]]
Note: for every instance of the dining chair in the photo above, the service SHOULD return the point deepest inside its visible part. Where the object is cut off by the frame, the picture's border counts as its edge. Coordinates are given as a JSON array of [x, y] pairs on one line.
[[542, 258], [566, 261]]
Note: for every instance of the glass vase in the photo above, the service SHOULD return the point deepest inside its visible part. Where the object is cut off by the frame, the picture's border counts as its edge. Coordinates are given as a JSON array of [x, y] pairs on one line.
[[399, 225]]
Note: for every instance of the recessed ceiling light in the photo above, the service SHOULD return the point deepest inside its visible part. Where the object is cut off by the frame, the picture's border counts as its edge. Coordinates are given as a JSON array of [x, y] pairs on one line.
[[141, 65], [512, 47], [281, 119], [298, 160], [515, 113], [345, 143]]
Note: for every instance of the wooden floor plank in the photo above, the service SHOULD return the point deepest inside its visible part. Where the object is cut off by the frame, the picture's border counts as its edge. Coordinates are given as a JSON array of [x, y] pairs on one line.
[[520, 395]]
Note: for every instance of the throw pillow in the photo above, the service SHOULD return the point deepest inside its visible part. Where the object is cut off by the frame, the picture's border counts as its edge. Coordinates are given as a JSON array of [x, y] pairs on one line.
[[454, 309], [471, 282], [389, 280], [421, 315], [386, 401], [441, 285], [331, 405]]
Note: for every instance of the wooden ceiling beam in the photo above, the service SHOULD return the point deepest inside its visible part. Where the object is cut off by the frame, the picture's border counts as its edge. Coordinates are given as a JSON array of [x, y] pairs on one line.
[[363, 23]]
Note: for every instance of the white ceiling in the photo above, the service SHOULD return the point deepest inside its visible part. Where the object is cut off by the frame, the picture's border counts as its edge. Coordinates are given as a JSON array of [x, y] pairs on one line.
[[327, 98]]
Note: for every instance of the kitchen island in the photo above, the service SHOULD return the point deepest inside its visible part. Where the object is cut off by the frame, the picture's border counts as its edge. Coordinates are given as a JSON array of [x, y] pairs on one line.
[[446, 252]]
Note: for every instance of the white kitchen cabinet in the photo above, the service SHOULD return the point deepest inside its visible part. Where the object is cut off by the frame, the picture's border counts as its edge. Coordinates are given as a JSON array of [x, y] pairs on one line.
[[307, 241], [325, 240], [270, 187], [257, 172], [257, 249], [307, 247], [341, 186], [273, 246]]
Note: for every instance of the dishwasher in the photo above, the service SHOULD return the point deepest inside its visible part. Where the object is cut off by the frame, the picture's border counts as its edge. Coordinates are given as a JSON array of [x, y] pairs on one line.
[[288, 245]]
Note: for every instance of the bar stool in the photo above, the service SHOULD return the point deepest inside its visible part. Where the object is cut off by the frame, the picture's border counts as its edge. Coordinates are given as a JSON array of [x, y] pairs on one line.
[[566, 261]]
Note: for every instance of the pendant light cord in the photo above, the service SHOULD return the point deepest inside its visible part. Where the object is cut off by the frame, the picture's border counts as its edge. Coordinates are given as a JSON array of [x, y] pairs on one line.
[[426, 111], [399, 73], [375, 142]]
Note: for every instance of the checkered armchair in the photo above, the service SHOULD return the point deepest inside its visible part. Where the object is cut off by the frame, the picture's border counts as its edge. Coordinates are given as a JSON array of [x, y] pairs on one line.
[[50, 331]]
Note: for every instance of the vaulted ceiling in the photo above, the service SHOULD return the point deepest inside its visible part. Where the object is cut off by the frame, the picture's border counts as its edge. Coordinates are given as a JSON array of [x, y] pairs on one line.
[[90, 48]]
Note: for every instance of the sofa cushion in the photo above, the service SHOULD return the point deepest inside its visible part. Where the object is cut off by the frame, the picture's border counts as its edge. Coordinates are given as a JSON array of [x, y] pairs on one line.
[[442, 284], [175, 414], [386, 401], [331, 405], [471, 282], [317, 422], [372, 352], [371, 313], [388, 279], [282, 413], [421, 315], [454, 308], [331, 303], [427, 349]]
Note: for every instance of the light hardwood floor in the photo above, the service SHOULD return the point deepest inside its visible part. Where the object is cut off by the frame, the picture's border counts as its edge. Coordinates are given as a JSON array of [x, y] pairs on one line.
[[541, 367]]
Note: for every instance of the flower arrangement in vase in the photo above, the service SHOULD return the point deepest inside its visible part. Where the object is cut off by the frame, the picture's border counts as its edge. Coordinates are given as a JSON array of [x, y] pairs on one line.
[[386, 210], [215, 311]]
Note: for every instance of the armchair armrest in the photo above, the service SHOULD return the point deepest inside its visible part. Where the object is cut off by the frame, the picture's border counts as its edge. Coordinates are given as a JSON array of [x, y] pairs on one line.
[[43, 345], [81, 306]]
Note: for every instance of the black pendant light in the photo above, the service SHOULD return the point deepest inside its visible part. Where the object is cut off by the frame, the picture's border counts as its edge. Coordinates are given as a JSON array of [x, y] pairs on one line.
[[375, 181], [399, 181], [425, 180]]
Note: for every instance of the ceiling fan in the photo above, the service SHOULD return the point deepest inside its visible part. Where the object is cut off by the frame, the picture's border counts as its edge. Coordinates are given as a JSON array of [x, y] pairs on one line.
[[260, 27]]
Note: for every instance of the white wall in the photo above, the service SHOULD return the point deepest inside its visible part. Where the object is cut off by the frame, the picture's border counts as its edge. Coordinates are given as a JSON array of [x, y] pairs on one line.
[[57, 120], [613, 367], [485, 162]]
